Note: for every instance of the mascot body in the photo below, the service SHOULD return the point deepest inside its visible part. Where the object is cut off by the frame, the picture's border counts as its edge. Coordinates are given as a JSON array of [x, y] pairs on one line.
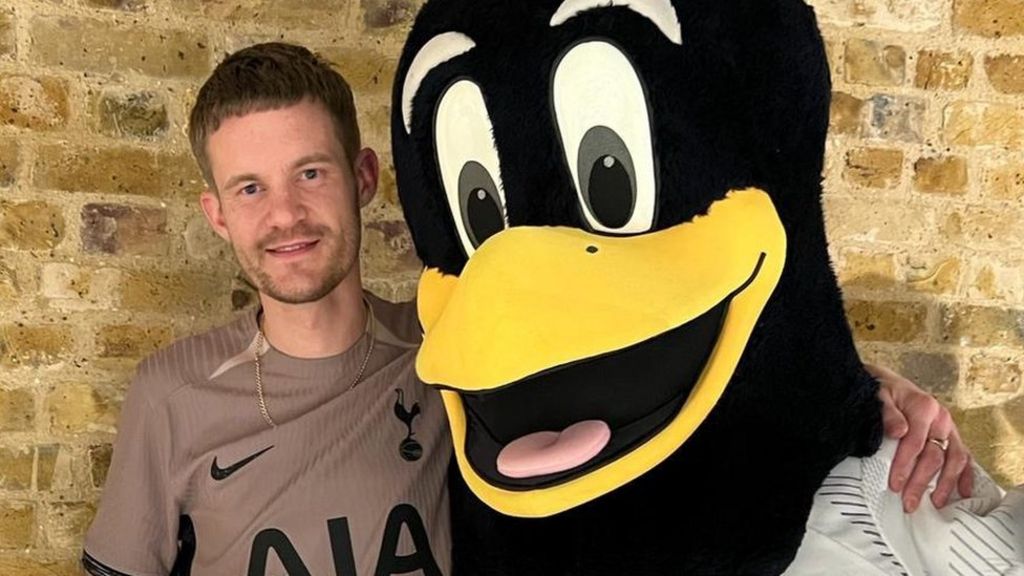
[[628, 303]]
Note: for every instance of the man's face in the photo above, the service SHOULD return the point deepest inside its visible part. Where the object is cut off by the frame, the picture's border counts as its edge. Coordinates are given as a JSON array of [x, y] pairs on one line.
[[288, 199]]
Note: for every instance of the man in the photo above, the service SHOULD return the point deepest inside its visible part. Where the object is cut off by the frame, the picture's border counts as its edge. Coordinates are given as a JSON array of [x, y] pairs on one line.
[[296, 439]]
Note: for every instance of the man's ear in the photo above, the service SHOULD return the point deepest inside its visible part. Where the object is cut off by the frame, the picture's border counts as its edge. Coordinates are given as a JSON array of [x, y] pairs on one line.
[[210, 202], [367, 172]]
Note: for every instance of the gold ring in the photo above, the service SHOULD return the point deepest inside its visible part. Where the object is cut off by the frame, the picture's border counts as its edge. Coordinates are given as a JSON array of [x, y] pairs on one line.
[[943, 443]]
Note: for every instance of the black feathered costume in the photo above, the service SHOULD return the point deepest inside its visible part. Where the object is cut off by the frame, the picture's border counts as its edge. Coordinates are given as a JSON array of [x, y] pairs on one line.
[[618, 206]]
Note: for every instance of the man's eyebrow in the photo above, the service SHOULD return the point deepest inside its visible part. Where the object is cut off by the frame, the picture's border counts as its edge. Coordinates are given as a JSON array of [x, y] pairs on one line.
[[661, 12], [313, 158], [439, 50], [237, 179]]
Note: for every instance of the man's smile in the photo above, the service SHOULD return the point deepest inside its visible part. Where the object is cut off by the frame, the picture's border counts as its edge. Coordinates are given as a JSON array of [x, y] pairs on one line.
[[293, 249]]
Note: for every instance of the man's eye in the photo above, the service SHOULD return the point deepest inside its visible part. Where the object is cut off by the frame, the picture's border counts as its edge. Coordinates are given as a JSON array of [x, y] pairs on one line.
[[311, 174], [249, 190]]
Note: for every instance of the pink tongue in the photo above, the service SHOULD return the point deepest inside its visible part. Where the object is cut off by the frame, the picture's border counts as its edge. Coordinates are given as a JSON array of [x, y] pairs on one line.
[[549, 452]]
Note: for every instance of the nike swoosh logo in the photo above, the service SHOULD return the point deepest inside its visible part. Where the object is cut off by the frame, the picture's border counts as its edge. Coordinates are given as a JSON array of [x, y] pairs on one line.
[[219, 473]]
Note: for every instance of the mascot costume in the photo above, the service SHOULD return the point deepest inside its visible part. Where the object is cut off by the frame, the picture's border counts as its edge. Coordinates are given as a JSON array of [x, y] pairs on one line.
[[628, 304]]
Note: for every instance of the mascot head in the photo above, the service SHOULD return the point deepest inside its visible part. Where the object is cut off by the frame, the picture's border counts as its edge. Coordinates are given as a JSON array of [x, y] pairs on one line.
[[618, 206]]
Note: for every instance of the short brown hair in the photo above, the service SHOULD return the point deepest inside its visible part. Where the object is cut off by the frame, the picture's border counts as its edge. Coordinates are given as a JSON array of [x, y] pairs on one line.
[[267, 77]]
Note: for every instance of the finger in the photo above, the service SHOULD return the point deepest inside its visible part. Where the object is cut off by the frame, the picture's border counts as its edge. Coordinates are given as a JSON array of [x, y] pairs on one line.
[[928, 464], [929, 461], [920, 417], [966, 484], [957, 461], [893, 422]]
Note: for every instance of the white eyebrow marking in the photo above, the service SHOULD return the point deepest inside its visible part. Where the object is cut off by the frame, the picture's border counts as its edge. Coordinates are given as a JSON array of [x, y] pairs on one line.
[[439, 50], [660, 12]]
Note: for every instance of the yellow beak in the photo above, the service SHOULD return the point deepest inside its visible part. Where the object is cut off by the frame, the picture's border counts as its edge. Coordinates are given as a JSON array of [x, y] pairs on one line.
[[534, 300]]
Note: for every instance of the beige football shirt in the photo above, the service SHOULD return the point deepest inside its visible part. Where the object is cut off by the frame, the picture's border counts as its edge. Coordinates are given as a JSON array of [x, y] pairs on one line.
[[350, 482]]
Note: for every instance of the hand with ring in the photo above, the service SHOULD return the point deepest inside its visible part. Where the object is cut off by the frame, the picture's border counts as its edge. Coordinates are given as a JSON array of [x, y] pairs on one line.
[[929, 442]]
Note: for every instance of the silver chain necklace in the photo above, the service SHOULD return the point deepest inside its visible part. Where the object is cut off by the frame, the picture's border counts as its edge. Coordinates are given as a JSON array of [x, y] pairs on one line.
[[259, 370]]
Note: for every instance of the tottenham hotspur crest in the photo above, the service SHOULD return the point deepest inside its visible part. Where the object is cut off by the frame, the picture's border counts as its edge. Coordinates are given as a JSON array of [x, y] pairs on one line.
[[409, 449]]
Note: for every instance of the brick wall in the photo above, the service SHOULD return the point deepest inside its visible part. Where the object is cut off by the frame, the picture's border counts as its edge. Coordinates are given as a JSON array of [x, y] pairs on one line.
[[104, 255], [924, 189]]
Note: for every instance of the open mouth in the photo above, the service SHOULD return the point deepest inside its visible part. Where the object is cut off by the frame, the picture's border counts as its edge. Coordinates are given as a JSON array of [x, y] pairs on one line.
[[601, 394]]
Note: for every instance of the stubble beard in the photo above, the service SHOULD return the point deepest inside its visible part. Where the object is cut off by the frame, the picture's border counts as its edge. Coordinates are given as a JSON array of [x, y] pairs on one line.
[[344, 247]]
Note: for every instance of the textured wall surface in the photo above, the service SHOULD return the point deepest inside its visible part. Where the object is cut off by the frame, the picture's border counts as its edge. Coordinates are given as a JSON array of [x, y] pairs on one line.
[[104, 255], [924, 188]]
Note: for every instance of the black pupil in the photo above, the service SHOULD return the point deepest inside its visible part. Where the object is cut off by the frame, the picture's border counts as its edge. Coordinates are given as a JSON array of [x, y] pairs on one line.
[[483, 216], [611, 196]]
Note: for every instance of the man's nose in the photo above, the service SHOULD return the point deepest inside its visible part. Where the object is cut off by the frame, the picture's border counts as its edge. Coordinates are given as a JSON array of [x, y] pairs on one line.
[[287, 207]]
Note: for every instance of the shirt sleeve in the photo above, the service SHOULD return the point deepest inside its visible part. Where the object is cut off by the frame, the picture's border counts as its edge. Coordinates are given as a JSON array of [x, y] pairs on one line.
[[135, 531]]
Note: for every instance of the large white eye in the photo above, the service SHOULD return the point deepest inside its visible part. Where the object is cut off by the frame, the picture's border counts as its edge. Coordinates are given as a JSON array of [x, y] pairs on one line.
[[468, 160], [602, 116]]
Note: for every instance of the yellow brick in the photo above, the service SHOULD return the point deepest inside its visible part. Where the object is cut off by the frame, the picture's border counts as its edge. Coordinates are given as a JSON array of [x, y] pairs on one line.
[[127, 341], [886, 321], [34, 345], [989, 18], [280, 14], [116, 171], [30, 225], [99, 463], [982, 326], [1005, 181], [182, 293], [389, 252], [10, 156], [900, 15], [995, 435], [47, 466], [868, 220], [96, 45], [869, 271], [17, 410], [117, 4], [1013, 411], [934, 276], [64, 281], [980, 430], [67, 523], [945, 175], [846, 115], [17, 524], [388, 188], [7, 45], [368, 71], [873, 167], [387, 13], [986, 227], [943, 70], [33, 103], [8, 284], [994, 375], [985, 283], [16, 469], [1006, 73], [874, 63], [71, 287], [983, 124], [203, 243], [142, 114], [30, 564], [77, 408]]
